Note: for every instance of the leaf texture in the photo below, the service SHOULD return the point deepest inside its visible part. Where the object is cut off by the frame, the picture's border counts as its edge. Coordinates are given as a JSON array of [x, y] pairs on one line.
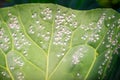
[[51, 42]]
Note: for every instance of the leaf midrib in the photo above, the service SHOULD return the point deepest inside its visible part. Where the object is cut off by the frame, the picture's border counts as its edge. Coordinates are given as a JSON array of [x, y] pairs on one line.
[[49, 48], [70, 46]]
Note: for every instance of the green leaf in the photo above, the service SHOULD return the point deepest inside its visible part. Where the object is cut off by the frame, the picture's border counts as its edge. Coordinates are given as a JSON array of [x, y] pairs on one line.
[[51, 42]]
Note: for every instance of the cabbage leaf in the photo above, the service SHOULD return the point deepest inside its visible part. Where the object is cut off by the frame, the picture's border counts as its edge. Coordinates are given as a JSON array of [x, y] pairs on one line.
[[51, 42]]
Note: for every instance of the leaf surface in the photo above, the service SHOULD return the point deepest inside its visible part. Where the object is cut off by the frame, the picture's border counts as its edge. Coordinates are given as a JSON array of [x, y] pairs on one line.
[[51, 42]]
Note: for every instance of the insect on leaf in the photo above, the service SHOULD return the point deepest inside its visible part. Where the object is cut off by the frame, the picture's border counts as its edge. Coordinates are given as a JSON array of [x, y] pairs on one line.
[[51, 42]]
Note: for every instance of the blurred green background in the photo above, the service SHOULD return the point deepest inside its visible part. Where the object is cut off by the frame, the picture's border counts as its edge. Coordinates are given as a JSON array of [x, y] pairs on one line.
[[79, 5], [75, 4]]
